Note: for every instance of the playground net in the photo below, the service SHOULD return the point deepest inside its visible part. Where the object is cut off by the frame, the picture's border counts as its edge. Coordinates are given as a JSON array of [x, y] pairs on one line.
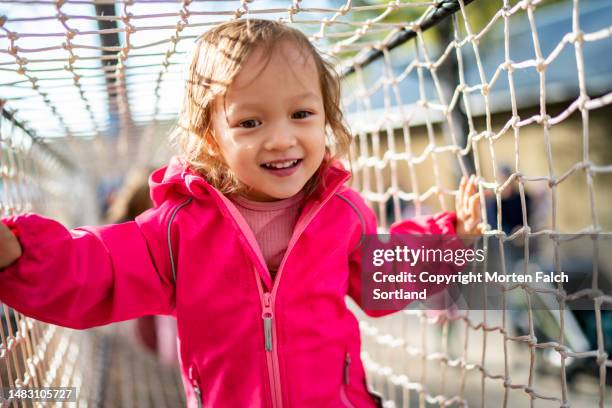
[[432, 90]]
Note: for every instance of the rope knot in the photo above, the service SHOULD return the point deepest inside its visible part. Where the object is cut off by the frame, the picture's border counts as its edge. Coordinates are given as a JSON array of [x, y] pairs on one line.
[[582, 101], [486, 88], [602, 357], [577, 37], [184, 13], [62, 17]]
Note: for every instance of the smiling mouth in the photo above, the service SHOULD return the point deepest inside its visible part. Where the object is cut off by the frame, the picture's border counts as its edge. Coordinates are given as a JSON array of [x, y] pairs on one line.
[[281, 165]]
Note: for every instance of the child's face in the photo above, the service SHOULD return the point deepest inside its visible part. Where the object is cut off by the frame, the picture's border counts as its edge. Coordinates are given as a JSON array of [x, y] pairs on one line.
[[270, 126]]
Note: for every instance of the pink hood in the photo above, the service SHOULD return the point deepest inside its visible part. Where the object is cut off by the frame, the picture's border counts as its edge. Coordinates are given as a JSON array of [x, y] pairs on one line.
[[244, 339]]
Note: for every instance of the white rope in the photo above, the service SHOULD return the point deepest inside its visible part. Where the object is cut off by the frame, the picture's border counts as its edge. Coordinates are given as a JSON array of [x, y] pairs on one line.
[[407, 147]]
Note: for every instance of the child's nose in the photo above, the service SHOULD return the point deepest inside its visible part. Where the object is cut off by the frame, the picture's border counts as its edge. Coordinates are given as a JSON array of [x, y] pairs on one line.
[[281, 137]]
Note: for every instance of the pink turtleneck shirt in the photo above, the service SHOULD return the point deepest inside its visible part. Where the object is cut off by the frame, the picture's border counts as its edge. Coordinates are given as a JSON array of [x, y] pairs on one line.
[[272, 224]]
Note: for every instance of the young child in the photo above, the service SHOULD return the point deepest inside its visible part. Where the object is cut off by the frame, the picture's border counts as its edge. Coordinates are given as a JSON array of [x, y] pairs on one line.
[[254, 240]]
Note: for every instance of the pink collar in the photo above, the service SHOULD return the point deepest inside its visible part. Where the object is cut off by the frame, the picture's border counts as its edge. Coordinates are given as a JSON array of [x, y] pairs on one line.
[[267, 205]]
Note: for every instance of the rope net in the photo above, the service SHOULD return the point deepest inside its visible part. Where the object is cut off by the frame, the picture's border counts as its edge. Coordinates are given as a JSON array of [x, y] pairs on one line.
[[33, 354], [516, 92]]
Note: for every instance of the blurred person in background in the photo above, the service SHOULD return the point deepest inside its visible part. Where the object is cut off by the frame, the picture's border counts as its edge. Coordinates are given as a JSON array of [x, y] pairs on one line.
[[155, 333], [511, 206], [511, 217]]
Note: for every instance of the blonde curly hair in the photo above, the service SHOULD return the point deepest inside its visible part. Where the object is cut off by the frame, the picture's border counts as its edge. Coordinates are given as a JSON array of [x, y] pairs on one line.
[[218, 56]]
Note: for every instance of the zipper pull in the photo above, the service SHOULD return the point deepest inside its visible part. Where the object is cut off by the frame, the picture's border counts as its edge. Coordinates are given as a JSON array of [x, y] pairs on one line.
[[347, 364], [268, 333], [195, 377], [267, 315], [198, 394], [267, 298]]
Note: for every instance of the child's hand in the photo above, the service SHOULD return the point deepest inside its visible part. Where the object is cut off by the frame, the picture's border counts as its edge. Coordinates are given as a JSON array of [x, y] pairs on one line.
[[10, 250], [467, 203]]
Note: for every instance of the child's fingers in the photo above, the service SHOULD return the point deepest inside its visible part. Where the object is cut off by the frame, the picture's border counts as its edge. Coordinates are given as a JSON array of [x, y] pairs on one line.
[[474, 188], [475, 208], [462, 185], [481, 228], [461, 195], [473, 185], [468, 191], [459, 198]]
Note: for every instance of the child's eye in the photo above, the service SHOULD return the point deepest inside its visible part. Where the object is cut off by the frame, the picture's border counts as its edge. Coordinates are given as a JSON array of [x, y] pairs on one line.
[[249, 124], [301, 115]]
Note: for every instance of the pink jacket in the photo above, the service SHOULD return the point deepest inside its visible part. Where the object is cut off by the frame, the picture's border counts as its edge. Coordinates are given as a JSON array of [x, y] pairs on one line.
[[245, 341]]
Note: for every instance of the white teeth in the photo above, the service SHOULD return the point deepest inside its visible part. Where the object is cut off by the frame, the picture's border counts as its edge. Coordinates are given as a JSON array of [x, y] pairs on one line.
[[281, 165]]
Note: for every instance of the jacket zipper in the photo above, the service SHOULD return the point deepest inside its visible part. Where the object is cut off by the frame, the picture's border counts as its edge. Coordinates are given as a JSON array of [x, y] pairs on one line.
[[345, 381], [268, 298], [198, 394], [267, 313], [347, 365], [267, 316], [194, 378]]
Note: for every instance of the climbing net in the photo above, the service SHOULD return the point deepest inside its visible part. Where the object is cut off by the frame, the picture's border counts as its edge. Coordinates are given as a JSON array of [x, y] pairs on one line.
[[33, 354], [470, 98], [432, 90]]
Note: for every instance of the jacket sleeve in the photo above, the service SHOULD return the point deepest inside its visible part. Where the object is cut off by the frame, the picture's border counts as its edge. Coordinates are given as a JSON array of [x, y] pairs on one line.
[[85, 277], [438, 224], [369, 227]]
